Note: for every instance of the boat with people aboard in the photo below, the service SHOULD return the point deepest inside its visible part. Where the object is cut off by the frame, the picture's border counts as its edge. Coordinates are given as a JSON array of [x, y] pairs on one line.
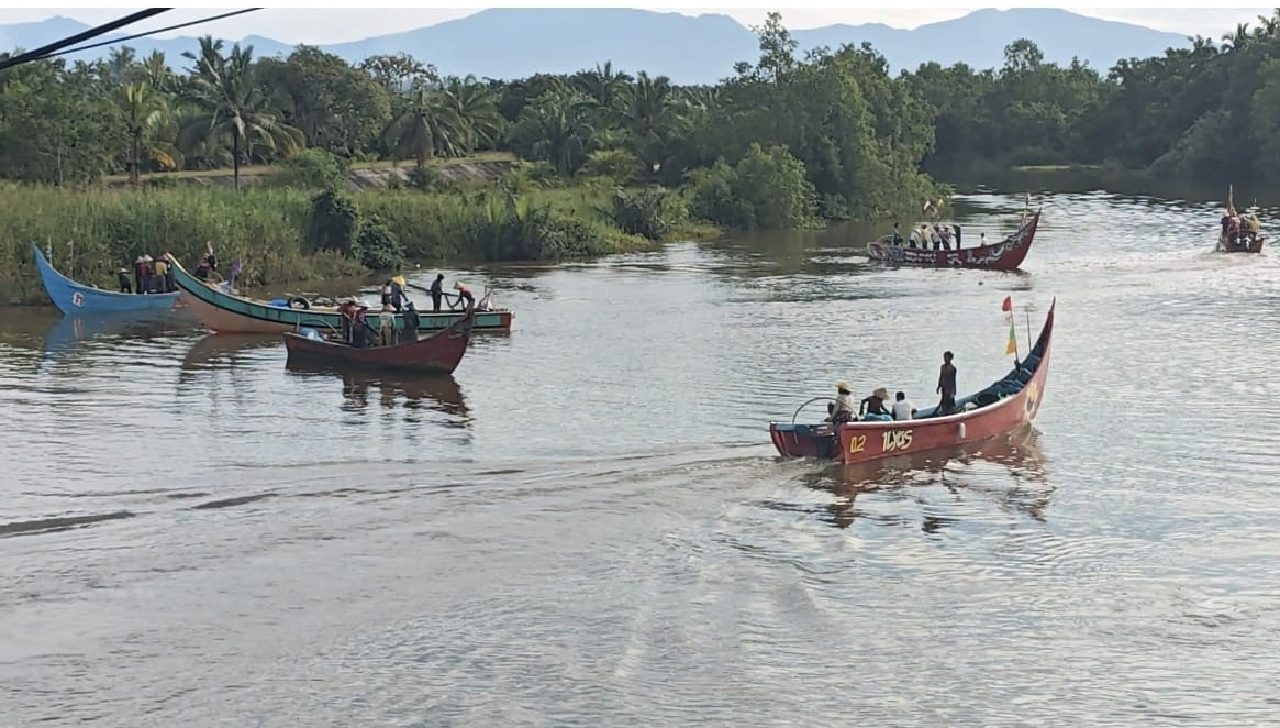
[[78, 299], [1240, 233], [226, 313], [361, 346], [1007, 405], [941, 245]]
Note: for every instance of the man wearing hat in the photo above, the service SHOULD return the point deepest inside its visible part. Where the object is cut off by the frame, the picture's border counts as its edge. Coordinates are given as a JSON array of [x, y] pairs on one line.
[[123, 277]]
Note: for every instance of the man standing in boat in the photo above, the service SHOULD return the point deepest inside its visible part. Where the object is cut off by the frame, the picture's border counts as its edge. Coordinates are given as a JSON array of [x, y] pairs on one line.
[[947, 385], [437, 292]]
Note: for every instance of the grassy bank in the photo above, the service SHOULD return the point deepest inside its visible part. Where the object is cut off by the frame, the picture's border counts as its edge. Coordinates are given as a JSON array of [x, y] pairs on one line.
[[268, 228]]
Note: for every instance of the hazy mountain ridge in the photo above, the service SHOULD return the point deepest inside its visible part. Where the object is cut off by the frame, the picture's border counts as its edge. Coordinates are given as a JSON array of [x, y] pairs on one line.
[[511, 43]]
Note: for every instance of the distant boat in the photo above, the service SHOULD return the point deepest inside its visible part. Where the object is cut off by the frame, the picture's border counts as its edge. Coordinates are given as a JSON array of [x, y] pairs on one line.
[[439, 353], [77, 299], [1006, 254], [1242, 238], [227, 313], [1004, 407]]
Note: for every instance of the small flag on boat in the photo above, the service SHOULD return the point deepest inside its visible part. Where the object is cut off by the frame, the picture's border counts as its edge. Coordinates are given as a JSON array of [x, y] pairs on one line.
[[1007, 307], [1012, 346]]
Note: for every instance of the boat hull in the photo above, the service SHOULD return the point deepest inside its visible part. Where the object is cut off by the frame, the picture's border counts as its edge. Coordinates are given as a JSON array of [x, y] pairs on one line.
[[1254, 246], [439, 353], [226, 313], [76, 299], [857, 442], [1006, 254]]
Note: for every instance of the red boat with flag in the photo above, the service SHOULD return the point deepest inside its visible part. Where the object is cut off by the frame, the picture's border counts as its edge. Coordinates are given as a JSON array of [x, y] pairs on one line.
[[1006, 406], [1006, 254]]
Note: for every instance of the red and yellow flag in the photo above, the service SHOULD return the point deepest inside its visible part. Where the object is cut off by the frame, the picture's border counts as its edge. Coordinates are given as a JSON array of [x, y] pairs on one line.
[[1007, 307]]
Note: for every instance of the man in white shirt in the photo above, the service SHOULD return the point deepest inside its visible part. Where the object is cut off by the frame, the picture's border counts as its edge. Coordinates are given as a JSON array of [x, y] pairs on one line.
[[902, 409]]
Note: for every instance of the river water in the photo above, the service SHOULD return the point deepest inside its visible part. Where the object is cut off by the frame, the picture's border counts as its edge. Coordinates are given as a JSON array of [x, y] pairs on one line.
[[586, 525]]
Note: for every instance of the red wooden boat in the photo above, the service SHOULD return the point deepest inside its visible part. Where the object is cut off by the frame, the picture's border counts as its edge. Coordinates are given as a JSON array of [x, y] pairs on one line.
[[1006, 254], [1004, 407], [440, 352]]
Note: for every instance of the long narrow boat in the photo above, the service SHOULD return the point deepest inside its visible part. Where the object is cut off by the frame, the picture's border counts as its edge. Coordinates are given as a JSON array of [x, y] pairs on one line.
[[439, 353], [1004, 407], [226, 313], [78, 299], [1006, 254]]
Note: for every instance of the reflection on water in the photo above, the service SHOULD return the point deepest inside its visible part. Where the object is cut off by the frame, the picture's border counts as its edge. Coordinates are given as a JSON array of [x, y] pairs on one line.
[[588, 520], [438, 392], [1019, 481]]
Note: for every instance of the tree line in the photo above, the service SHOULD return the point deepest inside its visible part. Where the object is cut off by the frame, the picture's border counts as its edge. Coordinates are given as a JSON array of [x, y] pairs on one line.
[[783, 139], [1208, 113], [857, 133]]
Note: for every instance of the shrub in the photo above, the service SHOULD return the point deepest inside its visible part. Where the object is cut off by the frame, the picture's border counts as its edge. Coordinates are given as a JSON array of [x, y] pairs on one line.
[[651, 212], [423, 178], [333, 223], [310, 169], [618, 165], [765, 190], [375, 247]]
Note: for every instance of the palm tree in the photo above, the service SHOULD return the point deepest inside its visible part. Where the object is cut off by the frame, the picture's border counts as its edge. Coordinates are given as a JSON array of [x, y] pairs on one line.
[[609, 89], [476, 105], [430, 123], [654, 116], [1239, 39], [145, 112], [232, 107], [556, 127], [156, 70]]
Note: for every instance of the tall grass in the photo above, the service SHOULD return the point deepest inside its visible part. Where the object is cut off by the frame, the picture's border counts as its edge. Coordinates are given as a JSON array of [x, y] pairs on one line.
[[266, 228]]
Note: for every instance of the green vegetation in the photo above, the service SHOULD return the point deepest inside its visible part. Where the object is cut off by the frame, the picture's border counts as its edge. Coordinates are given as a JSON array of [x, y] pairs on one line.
[[611, 160], [1204, 115]]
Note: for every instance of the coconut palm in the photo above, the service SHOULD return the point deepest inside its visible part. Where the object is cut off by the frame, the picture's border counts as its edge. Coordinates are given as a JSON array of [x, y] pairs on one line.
[[476, 105], [557, 128], [145, 113], [232, 107], [429, 124], [609, 89]]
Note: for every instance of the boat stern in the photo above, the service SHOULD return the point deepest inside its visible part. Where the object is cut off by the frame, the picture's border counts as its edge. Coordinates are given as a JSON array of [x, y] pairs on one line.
[[800, 440]]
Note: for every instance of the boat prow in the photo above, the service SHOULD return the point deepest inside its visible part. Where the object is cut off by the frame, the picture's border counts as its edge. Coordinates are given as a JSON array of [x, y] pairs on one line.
[[1004, 407]]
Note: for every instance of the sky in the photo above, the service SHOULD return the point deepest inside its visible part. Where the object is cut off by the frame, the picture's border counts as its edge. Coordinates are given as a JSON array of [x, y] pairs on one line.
[[339, 25]]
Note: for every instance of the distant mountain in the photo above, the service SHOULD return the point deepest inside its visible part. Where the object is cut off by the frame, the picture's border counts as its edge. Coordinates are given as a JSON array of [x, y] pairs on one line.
[[511, 43]]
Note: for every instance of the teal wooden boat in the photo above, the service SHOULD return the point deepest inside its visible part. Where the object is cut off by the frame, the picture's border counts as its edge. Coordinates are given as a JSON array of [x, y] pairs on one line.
[[227, 313]]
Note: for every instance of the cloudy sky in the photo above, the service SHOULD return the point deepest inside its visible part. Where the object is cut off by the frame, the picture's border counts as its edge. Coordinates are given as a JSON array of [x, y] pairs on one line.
[[330, 26]]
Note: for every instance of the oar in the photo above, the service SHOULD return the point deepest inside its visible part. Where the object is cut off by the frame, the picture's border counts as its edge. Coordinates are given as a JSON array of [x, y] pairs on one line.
[[424, 289]]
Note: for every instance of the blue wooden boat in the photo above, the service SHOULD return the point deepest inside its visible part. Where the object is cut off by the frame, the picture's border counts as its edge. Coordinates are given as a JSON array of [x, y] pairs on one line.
[[77, 299]]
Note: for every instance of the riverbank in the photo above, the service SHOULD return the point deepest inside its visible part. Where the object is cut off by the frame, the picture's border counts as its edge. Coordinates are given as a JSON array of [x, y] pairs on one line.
[[977, 176], [276, 233]]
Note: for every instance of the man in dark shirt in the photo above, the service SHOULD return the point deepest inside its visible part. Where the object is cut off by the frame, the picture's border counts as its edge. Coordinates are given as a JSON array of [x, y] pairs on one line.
[[437, 292], [947, 385]]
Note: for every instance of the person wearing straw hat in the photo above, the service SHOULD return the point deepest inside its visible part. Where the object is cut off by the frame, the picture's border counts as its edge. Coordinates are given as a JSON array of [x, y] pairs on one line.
[[464, 295], [842, 410], [872, 408]]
